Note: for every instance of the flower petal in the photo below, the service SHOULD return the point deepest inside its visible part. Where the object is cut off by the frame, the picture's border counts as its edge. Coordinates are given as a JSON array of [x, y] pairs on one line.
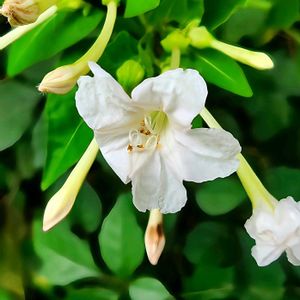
[[265, 254], [179, 93], [102, 102], [293, 255], [202, 154], [156, 186]]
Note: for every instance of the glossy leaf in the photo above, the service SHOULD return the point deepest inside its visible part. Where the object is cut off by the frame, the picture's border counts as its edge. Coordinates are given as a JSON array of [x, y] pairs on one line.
[[68, 136], [44, 41], [17, 102], [135, 8], [64, 257], [217, 12], [220, 70], [147, 288], [121, 239], [220, 196], [92, 294]]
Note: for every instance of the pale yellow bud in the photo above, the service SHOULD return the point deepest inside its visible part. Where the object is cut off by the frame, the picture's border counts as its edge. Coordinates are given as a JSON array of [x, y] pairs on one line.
[[62, 202], [176, 39], [154, 236], [60, 80], [200, 37], [22, 12]]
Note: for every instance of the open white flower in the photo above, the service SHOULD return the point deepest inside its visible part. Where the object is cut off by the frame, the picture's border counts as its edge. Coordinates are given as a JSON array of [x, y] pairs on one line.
[[147, 139], [276, 230]]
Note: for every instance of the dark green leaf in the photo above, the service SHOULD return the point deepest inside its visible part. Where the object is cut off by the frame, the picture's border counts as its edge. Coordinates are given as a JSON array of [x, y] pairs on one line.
[[121, 239], [17, 102], [220, 70], [147, 288], [217, 12], [135, 8], [68, 136], [44, 41], [64, 257], [92, 294], [220, 196]]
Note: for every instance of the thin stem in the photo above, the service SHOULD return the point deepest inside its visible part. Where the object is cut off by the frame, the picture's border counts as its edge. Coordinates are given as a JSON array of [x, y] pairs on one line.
[[97, 49], [175, 58]]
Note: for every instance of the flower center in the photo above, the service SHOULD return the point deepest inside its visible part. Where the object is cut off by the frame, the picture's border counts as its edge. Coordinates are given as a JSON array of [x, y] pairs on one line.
[[147, 136]]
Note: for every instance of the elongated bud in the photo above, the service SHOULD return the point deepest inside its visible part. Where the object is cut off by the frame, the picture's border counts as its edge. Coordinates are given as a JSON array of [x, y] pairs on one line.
[[22, 12], [60, 80], [154, 236], [62, 202], [201, 38], [176, 39]]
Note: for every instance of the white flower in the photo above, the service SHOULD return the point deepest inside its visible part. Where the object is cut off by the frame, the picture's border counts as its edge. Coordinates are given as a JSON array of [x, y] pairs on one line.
[[147, 139], [275, 231]]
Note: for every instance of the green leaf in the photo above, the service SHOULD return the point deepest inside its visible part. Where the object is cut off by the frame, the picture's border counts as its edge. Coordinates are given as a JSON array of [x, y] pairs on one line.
[[217, 12], [68, 136], [283, 182], [4, 295], [17, 102], [121, 239], [113, 58], [147, 288], [44, 41], [284, 13], [209, 282], [220, 70], [206, 239], [220, 196], [87, 209], [92, 294], [134, 8], [181, 11], [64, 257]]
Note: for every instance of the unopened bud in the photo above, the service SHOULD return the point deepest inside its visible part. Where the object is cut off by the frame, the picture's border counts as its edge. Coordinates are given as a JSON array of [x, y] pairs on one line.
[[154, 236], [61, 80], [22, 12], [62, 202], [176, 39], [130, 74]]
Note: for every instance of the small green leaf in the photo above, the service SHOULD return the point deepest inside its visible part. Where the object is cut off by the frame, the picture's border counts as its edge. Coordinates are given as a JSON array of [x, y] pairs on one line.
[[135, 8], [64, 257], [121, 239], [44, 41], [147, 288], [92, 294], [17, 102], [220, 196], [217, 12], [68, 136], [220, 70]]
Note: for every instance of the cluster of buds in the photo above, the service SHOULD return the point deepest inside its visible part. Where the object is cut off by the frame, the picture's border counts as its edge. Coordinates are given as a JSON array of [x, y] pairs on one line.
[[23, 12]]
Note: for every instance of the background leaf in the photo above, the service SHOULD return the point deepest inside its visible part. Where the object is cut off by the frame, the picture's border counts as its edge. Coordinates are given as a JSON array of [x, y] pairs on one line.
[[121, 239], [17, 102], [220, 70], [134, 8]]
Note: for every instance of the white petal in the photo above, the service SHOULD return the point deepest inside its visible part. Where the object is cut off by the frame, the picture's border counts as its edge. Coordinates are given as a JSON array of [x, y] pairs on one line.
[[114, 149], [293, 255], [156, 186], [202, 154], [266, 254], [102, 102], [179, 93]]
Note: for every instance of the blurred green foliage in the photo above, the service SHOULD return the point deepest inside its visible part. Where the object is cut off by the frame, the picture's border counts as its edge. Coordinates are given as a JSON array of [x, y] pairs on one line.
[[97, 252]]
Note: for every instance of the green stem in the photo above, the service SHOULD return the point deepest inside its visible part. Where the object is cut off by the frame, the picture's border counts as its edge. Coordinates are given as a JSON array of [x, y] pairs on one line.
[[97, 49], [175, 58]]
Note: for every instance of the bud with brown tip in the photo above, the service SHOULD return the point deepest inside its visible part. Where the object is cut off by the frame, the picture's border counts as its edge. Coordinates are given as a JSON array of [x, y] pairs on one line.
[[154, 236]]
